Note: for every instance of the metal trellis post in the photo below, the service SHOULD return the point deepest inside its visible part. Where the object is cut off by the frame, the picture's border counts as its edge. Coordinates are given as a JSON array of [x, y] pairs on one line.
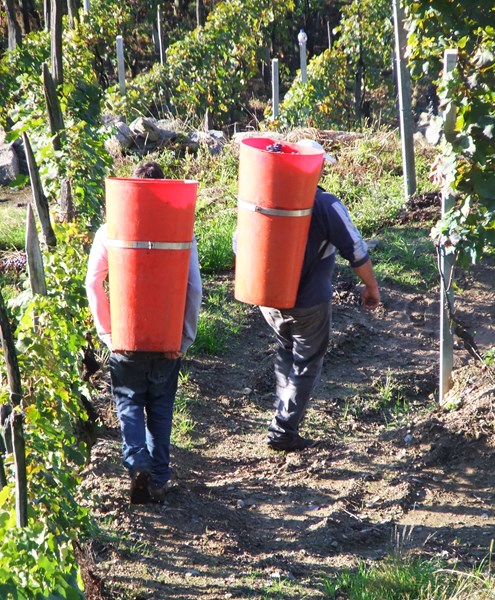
[[275, 91], [446, 260], [405, 112], [121, 64], [302, 38]]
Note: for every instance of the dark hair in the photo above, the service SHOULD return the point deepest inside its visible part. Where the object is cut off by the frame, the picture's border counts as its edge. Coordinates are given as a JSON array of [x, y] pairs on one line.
[[148, 170]]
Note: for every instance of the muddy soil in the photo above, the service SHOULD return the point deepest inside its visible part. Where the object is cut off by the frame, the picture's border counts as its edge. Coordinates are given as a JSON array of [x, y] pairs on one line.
[[393, 471]]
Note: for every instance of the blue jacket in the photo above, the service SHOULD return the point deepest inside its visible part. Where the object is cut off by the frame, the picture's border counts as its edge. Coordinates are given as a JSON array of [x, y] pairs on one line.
[[331, 227]]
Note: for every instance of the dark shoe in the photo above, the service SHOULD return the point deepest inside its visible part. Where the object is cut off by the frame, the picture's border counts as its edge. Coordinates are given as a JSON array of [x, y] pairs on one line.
[[287, 445], [158, 493], [140, 480]]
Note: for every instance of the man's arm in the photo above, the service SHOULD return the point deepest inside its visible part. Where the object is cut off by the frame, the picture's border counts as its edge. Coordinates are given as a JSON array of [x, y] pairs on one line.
[[370, 295], [193, 300], [95, 276]]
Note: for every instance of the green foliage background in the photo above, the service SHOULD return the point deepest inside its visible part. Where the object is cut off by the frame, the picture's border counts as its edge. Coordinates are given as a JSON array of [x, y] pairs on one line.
[[467, 165], [214, 67]]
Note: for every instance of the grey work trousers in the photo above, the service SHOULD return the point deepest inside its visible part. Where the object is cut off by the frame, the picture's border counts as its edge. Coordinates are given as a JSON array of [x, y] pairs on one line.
[[302, 339]]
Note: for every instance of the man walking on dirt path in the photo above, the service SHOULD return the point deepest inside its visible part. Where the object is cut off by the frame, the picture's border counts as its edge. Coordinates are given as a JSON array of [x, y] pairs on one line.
[[303, 332], [144, 384]]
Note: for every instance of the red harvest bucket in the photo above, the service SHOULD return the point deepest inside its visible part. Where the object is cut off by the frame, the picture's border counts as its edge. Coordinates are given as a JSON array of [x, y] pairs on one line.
[[150, 230], [275, 198]]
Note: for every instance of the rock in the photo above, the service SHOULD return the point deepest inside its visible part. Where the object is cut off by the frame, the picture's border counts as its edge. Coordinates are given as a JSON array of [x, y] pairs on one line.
[[372, 244], [408, 439], [124, 134], [146, 128], [147, 135], [18, 147], [9, 165], [192, 573], [215, 140]]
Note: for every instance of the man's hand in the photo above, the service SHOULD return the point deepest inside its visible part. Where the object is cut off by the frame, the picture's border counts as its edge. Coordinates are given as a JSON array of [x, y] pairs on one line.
[[172, 354], [370, 296]]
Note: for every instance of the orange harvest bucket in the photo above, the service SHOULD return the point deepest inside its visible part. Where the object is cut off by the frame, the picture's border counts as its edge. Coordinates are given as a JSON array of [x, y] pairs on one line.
[[150, 230], [275, 198]]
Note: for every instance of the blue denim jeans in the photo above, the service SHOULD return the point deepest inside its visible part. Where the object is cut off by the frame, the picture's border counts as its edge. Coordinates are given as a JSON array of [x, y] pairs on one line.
[[144, 385], [302, 339]]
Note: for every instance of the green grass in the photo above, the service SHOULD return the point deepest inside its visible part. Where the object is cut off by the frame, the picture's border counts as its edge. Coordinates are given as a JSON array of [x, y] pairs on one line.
[[408, 577], [372, 203], [12, 234], [394, 578], [275, 585], [214, 231], [220, 319], [406, 257], [184, 422], [12, 223], [387, 395]]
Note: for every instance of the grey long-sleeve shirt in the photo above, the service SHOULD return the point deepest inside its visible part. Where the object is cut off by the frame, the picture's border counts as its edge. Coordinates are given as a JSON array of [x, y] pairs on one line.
[[100, 304]]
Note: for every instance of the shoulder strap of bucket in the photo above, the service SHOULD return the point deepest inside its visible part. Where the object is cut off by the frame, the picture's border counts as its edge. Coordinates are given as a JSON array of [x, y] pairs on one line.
[[318, 257], [312, 267]]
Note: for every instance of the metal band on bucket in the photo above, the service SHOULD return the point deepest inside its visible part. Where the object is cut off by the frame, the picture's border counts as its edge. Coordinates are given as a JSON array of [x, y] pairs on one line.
[[150, 245], [274, 212]]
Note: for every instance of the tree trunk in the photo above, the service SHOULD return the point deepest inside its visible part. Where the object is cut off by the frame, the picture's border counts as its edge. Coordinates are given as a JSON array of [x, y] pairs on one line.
[[14, 31], [56, 42]]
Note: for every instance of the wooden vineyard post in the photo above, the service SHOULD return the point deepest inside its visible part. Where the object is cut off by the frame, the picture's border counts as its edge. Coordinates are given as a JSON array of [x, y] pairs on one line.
[[39, 197], [56, 13], [13, 28], [46, 14], [36, 269], [19, 447], [66, 213], [5, 440], [447, 259], [72, 12], [9, 353], [11, 420], [3, 477], [55, 116]]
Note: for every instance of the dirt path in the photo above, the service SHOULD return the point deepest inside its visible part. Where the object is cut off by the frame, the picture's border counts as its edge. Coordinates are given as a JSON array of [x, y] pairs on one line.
[[247, 522]]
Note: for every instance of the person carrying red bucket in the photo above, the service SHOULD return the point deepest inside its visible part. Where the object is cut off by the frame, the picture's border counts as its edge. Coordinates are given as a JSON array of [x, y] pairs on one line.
[[288, 232], [149, 253]]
